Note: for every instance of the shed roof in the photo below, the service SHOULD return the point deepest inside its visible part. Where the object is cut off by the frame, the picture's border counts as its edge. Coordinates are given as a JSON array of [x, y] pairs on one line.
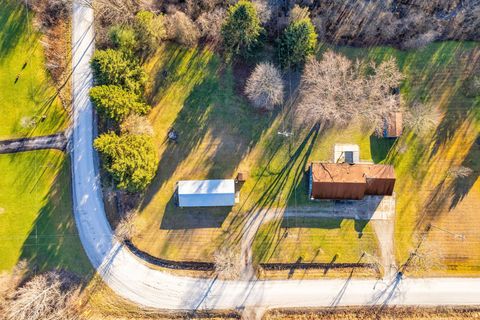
[[206, 186], [206, 193]]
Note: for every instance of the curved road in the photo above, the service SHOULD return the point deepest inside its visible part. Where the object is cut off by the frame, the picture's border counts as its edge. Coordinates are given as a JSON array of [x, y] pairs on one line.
[[132, 279]]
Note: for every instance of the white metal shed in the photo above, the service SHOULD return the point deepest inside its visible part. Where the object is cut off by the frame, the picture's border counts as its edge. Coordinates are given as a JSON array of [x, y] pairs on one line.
[[206, 193]]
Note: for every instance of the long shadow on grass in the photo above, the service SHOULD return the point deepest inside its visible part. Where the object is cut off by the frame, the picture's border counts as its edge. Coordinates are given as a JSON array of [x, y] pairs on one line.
[[13, 24], [53, 241], [213, 112]]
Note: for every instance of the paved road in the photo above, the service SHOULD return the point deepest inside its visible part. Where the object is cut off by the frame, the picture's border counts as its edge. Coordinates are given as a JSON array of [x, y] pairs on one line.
[[54, 141], [131, 279]]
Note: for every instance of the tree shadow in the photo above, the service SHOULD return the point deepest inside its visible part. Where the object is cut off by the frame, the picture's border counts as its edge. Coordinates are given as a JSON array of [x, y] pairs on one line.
[[53, 241], [380, 148], [462, 185], [217, 127], [13, 23], [176, 218]]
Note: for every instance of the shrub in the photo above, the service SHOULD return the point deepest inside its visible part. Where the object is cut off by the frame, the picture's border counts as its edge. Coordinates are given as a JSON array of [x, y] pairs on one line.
[[123, 38], [130, 159], [116, 103], [241, 29], [297, 43], [265, 87], [182, 29], [150, 30], [112, 67]]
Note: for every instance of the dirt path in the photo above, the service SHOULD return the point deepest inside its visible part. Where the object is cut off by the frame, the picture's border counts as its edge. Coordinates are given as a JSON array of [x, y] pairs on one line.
[[54, 141]]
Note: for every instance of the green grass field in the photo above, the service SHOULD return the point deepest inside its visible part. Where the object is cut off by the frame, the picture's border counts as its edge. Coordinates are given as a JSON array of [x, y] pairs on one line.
[[36, 221], [23, 102], [220, 134], [36, 213]]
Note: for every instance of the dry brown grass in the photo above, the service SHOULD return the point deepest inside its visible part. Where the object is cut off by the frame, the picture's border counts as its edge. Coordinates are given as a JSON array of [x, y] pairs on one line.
[[388, 313]]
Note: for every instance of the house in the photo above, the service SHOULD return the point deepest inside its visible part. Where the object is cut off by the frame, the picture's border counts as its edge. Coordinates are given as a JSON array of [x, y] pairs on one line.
[[349, 153], [393, 125], [343, 181], [205, 193]]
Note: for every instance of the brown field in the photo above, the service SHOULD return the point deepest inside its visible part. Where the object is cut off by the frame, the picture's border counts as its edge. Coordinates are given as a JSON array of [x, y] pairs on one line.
[[377, 313]]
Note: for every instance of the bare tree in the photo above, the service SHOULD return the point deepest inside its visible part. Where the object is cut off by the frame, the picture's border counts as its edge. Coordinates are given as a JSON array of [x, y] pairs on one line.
[[298, 13], [380, 100], [227, 263], [329, 90], [460, 172], [9, 282], [136, 124], [421, 118], [265, 87], [50, 295], [426, 257], [335, 90], [182, 29], [210, 24], [264, 10]]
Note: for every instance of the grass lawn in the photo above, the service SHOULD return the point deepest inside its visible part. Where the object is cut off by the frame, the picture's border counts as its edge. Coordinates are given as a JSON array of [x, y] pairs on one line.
[[220, 134], [36, 213], [23, 102], [36, 221]]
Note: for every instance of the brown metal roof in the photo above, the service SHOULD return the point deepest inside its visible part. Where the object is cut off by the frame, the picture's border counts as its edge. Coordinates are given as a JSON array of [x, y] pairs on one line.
[[346, 181]]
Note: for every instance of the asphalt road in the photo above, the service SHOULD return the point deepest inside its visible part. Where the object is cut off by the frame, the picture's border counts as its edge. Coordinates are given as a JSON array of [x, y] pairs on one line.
[[132, 279]]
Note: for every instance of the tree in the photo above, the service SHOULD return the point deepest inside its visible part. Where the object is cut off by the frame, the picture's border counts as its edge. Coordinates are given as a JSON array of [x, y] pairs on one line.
[[380, 100], [116, 103], [329, 90], [421, 118], [50, 295], [124, 38], [112, 67], [334, 90], [241, 29], [130, 159], [298, 13], [182, 29], [297, 43], [135, 124], [210, 24], [265, 86], [150, 30]]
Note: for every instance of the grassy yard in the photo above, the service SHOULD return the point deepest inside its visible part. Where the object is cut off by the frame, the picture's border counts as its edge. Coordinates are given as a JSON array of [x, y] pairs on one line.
[[36, 221], [220, 134], [36, 213], [25, 100]]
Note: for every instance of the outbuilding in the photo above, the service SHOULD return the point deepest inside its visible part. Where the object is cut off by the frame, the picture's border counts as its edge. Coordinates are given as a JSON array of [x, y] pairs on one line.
[[205, 193]]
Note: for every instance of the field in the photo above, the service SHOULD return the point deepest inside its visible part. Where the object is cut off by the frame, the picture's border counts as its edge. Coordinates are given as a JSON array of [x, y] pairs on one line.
[[24, 100], [199, 96], [219, 135], [36, 221]]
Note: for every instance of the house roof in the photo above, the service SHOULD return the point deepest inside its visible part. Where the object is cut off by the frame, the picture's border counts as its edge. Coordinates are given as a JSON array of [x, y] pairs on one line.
[[351, 181]]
